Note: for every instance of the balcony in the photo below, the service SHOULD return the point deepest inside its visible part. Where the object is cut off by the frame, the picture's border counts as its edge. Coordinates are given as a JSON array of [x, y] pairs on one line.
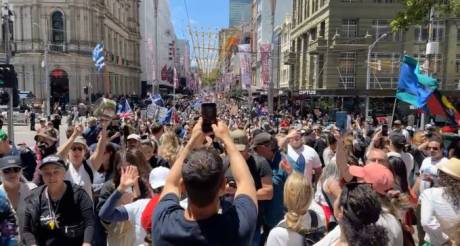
[[340, 42], [289, 58], [317, 46]]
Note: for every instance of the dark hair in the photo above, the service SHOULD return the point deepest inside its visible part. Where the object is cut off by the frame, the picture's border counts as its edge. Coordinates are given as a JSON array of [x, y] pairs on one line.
[[361, 210], [452, 188], [114, 158], [203, 174], [156, 128], [436, 138], [455, 145], [398, 168], [330, 139]]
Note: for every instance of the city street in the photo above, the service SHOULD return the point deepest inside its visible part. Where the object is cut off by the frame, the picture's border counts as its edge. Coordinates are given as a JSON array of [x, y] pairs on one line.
[[22, 133]]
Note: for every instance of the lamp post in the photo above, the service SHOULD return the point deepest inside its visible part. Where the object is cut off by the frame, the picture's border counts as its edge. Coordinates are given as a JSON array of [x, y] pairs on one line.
[[44, 65], [368, 80]]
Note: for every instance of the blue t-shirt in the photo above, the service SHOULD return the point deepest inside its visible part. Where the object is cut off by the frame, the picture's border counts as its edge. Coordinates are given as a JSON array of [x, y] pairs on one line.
[[235, 226]]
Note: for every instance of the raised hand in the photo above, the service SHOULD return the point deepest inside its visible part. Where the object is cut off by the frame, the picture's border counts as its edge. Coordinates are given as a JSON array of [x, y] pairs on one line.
[[221, 130], [129, 176], [78, 129]]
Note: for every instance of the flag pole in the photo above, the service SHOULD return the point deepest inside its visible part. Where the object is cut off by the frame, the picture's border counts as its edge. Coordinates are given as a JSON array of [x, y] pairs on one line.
[[393, 114]]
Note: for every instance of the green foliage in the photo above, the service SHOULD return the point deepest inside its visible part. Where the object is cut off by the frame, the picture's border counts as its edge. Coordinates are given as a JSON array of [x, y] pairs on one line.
[[418, 12]]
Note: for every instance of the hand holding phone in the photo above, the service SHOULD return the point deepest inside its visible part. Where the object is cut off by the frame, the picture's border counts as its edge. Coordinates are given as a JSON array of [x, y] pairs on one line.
[[209, 115]]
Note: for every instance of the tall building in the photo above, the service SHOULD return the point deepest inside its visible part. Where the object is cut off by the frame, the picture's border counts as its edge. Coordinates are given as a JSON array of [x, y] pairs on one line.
[[330, 41], [71, 31], [158, 44], [183, 60], [240, 12]]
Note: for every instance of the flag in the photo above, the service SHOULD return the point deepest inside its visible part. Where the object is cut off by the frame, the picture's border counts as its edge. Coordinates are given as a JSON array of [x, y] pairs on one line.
[[439, 105], [175, 78], [98, 57], [166, 119], [244, 53], [413, 87], [124, 110], [156, 99]]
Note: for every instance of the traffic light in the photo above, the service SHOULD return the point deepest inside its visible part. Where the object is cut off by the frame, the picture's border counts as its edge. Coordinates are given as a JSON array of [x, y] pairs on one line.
[[8, 78]]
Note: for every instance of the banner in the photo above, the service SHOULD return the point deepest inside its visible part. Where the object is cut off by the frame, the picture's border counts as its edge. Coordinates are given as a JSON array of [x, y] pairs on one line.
[[265, 61], [245, 55]]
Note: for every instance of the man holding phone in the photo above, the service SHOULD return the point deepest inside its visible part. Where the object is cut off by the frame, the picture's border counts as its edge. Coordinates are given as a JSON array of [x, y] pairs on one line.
[[200, 173]]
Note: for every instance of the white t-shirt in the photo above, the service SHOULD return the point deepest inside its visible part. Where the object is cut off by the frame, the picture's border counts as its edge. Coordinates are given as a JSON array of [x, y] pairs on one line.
[[312, 160], [282, 237], [408, 160], [135, 210], [387, 220], [80, 177], [430, 167], [439, 217]]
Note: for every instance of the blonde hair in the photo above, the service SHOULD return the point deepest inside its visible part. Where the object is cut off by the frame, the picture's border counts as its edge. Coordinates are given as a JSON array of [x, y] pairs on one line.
[[297, 199], [419, 138], [169, 147]]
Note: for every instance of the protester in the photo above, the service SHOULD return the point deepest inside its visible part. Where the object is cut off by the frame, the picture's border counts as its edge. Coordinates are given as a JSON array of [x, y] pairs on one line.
[[8, 223], [14, 185], [202, 175], [358, 209], [299, 218], [169, 147], [134, 211], [440, 205], [306, 159], [397, 145], [58, 212], [133, 141], [428, 170]]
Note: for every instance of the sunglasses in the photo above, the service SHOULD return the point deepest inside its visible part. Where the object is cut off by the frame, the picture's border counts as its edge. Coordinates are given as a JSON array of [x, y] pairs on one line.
[[12, 170], [433, 148], [77, 148]]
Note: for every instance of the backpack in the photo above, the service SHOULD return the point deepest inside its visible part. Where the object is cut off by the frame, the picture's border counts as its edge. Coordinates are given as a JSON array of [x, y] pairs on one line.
[[312, 235]]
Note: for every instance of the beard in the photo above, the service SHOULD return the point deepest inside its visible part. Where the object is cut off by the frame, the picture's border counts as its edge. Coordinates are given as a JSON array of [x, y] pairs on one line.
[[47, 150]]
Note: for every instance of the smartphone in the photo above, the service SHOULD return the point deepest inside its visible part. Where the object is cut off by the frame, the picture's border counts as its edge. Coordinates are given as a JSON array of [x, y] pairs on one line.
[[209, 115], [385, 130]]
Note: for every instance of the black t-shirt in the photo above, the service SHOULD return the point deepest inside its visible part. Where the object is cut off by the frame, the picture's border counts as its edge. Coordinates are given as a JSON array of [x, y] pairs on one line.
[[259, 168], [158, 162], [235, 226], [73, 210]]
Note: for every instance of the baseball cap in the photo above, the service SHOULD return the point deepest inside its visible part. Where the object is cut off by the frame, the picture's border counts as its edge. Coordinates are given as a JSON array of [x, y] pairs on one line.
[[55, 160], [134, 136], [398, 140], [397, 122], [80, 140], [10, 161], [157, 177], [378, 175], [261, 138], [3, 135], [451, 168], [240, 139]]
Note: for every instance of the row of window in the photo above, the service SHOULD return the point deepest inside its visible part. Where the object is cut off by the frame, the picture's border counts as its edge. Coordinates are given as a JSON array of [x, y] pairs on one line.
[[350, 29], [302, 9]]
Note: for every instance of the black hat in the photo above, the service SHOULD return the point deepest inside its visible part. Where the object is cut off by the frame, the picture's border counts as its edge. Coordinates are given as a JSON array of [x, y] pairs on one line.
[[10, 161], [53, 159]]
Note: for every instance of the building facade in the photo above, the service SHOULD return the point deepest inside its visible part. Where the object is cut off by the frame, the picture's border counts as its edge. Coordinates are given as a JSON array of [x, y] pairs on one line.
[[240, 12], [69, 31], [330, 41], [183, 60]]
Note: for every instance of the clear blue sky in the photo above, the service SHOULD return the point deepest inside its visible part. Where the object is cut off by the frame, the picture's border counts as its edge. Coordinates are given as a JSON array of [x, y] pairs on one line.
[[206, 15]]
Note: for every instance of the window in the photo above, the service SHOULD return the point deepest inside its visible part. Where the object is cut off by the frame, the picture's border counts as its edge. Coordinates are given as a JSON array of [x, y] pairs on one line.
[[438, 30], [346, 67], [458, 35], [380, 27], [384, 70], [421, 33], [349, 28], [322, 29], [57, 27]]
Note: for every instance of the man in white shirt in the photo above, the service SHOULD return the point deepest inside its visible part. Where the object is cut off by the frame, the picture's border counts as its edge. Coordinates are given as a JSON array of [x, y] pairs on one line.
[[81, 171], [397, 143], [305, 158], [428, 169]]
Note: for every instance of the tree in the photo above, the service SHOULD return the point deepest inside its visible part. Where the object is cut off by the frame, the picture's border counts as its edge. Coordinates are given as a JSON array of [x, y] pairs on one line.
[[418, 11]]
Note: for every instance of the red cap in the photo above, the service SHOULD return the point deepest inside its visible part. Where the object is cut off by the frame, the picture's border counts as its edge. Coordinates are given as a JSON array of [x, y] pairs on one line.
[[378, 175]]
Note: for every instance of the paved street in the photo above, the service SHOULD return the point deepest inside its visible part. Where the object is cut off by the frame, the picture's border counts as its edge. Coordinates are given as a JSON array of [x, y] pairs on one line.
[[23, 133]]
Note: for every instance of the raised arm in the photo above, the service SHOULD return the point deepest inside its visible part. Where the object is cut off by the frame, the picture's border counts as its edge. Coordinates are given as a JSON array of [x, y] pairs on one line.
[[173, 179], [244, 182], [98, 156], [64, 149], [341, 159]]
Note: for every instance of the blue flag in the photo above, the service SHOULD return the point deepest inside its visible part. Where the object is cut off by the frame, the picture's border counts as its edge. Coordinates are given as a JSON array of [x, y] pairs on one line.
[[414, 87], [123, 109], [156, 99], [167, 118]]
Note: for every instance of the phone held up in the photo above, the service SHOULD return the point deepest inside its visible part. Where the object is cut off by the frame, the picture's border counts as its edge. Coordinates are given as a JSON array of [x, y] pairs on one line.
[[385, 130], [209, 115]]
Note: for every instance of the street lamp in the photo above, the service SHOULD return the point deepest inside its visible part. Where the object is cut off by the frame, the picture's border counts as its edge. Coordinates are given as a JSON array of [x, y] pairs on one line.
[[45, 67], [368, 80]]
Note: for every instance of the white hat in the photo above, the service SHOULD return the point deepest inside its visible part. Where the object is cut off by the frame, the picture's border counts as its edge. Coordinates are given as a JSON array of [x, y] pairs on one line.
[[135, 137], [157, 177]]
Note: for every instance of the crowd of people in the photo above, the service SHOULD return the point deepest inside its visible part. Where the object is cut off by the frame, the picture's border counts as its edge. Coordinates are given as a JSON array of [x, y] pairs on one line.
[[251, 180]]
